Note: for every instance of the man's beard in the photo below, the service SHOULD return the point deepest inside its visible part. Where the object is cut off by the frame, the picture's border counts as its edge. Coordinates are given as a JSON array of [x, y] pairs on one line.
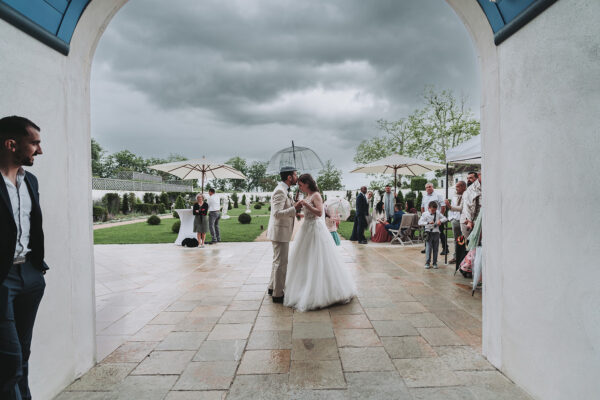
[[27, 161], [469, 183]]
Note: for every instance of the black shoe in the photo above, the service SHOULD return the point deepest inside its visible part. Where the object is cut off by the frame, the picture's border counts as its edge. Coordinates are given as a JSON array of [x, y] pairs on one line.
[[423, 251], [270, 291], [277, 299], [444, 252], [363, 242], [212, 242]]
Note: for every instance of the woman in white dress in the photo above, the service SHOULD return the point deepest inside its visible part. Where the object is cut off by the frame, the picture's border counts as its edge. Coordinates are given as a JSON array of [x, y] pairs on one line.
[[316, 274]]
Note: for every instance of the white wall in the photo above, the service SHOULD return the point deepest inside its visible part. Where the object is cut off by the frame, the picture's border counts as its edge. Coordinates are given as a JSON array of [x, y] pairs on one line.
[[540, 128]]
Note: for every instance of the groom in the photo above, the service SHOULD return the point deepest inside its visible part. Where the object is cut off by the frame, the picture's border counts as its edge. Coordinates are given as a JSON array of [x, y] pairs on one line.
[[281, 227]]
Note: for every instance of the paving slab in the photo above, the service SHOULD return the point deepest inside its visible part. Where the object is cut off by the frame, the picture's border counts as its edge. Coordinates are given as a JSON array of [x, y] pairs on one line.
[[204, 328]]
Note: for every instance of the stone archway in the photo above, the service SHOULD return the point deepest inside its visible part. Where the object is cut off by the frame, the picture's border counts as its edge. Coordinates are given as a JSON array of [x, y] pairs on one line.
[[540, 87]]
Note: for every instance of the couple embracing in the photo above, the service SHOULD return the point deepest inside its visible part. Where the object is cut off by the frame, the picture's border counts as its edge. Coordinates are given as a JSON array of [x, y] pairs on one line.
[[317, 277]]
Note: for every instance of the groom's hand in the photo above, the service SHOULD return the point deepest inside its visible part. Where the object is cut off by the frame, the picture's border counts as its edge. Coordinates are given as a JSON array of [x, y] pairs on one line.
[[298, 215]]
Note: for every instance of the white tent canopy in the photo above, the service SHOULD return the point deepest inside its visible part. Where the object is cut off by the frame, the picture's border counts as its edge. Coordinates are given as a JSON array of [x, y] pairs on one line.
[[468, 152]]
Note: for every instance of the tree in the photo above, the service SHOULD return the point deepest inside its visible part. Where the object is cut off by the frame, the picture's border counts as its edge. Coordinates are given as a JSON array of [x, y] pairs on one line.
[[256, 173], [240, 164], [97, 163], [329, 177], [442, 123], [268, 183], [243, 199], [234, 197], [419, 201]]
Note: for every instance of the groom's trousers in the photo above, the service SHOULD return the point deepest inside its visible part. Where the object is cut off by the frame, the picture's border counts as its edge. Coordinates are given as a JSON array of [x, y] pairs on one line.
[[280, 262]]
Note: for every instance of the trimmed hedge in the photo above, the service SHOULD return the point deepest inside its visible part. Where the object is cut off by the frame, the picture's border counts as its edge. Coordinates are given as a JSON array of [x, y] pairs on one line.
[[147, 209], [176, 226], [417, 183], [153, 220], [352, 216], [244, 218], [99, 213], [257, 206]]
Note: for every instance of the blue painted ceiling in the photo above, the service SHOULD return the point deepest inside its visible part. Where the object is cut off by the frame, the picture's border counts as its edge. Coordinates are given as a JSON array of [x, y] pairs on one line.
[[58, 18]]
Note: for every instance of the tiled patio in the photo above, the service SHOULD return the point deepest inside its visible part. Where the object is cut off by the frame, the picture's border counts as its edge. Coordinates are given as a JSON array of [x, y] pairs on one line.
[[176, 323]]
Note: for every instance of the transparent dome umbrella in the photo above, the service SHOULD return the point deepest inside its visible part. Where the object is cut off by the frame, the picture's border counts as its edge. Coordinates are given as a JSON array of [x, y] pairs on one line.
[[338, 208], [303, 159], [200, 169]]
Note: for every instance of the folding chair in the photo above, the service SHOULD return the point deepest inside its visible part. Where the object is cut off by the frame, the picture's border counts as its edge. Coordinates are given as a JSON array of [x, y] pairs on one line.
[[416, 229], [402, 234]]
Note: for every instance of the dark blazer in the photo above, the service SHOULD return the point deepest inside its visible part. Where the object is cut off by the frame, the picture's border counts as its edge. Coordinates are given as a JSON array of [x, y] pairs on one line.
[[8, 228], [362, 205], [395, 220], [200, 209]]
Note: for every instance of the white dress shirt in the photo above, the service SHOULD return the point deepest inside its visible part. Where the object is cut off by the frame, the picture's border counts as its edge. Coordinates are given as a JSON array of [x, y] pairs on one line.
[[21, 207], [213, 203], [427, 198], [455, 208]]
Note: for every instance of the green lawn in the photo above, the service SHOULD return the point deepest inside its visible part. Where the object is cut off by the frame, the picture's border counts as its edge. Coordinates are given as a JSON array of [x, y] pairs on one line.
[[235, 212], [141, 232]]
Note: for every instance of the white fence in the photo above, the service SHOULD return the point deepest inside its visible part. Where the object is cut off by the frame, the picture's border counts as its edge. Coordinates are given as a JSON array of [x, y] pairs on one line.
[[139, 186]]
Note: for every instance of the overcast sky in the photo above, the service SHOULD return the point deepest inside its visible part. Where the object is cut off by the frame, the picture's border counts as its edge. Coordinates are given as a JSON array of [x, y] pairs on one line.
[[245, 77]]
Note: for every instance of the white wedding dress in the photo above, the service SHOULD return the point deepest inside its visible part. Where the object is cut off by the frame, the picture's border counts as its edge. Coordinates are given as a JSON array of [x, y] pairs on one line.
[[316, 275]]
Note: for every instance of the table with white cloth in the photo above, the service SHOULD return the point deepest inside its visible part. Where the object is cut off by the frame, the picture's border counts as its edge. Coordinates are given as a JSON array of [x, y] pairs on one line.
[[186, 230]]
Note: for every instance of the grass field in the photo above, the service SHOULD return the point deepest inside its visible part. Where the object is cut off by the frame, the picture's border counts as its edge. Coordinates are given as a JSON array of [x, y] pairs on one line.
[[141, 232]]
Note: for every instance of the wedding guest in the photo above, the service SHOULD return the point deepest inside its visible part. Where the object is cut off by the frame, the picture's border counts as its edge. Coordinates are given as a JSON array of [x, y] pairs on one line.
[[200, 211], [378, 232], [22, 265], [214, 216], [396, 218], [432, 220], [471, 207], [388, 202], [410, 207], [455, 206], [471, 177], [360, 220], [332, 225], [429, 196]]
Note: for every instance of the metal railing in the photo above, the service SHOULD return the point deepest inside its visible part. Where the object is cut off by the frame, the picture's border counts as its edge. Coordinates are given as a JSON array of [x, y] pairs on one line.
[[139, 186]]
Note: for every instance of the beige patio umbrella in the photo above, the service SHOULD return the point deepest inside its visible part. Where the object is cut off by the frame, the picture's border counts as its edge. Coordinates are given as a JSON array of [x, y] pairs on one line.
[[199, 169], [398, 164]]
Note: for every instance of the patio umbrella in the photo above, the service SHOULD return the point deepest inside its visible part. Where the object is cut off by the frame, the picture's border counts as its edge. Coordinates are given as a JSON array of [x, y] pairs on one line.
[[302, 158], [199, 169], [338, 207], [399, 164]]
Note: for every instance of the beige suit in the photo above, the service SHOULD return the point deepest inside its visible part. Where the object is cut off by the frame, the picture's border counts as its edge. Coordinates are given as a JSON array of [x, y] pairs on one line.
[[279, 232]]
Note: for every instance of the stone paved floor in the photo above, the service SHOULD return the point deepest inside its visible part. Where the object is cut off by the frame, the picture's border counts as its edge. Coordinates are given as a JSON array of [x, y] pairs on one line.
[[176, 323]]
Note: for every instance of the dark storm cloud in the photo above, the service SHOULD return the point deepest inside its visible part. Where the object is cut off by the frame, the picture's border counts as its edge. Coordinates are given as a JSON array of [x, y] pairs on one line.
[[332, 66]]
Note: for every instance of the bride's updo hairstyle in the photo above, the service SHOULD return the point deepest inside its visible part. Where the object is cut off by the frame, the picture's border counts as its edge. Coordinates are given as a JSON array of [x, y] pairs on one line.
[[307, 179]]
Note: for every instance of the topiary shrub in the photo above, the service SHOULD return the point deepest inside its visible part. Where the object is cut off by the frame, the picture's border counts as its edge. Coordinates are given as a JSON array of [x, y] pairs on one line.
[[164, 199], [352, 216], [243, 199], [112, 202], [179, 204], [125, 205], [244, 218], [148, 198], [257, 206], [99, 213], [419, 201], [153, 220], [400, 197], [161, 208], [417, 183], [176, 226], [235, 199]]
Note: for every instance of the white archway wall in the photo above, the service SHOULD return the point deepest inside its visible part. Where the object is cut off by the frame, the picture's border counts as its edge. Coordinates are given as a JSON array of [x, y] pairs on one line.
[[539, 107]]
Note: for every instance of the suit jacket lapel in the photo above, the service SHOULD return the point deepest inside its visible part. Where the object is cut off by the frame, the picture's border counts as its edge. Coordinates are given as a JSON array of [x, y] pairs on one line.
[[35, 201], [5, 197]]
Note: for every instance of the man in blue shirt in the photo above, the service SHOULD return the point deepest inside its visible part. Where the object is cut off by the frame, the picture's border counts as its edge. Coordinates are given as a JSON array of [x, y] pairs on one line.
[[396, 218]]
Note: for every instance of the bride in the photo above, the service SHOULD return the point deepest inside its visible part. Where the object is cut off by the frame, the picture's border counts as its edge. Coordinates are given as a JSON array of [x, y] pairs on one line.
[[316, 275]]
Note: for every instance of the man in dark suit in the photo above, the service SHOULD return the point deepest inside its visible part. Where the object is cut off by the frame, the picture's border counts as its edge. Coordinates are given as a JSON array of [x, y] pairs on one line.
[[360, 220], [22, 264]]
